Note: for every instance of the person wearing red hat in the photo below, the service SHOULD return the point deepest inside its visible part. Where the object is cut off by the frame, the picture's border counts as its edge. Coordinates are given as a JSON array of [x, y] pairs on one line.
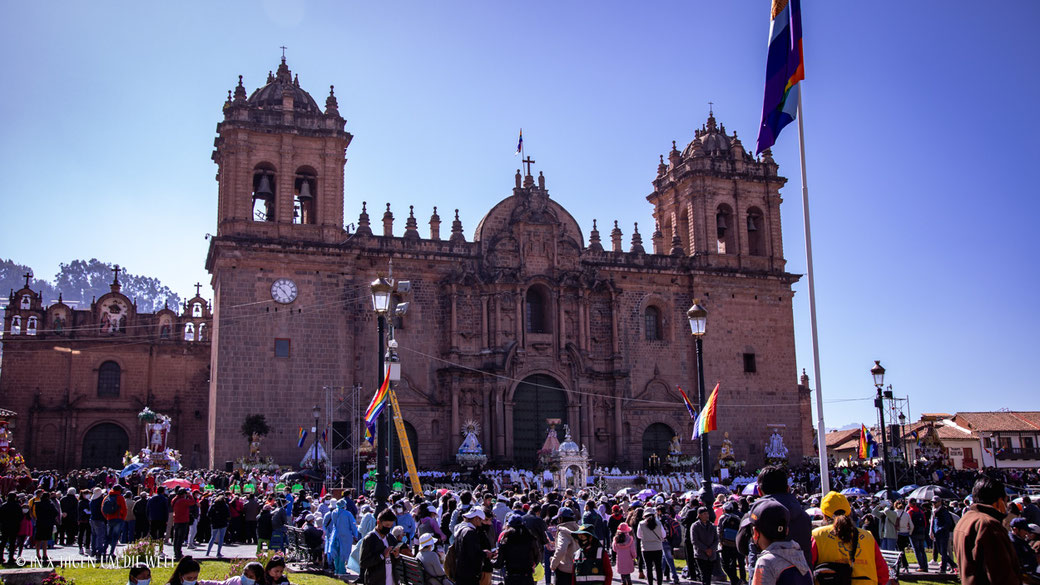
[[624, 548]]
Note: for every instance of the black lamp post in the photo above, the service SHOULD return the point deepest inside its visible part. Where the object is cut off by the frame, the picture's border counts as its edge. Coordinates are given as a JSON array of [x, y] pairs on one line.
[[314, 431], [698, 320], [878, 373], [381, 289]]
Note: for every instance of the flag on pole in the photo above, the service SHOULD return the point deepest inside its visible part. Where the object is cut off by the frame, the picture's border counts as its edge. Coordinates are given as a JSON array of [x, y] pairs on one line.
[[520, 143], [706, 422], [324, 435], [867, 444], [321, 496], [302, 438], [376, 407], [686, 401], [785, 67]]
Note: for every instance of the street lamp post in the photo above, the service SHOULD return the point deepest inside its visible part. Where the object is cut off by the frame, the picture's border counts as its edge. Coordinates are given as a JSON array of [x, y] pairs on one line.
[[314, 431], [381, 289], [878, 373], [698, 318]]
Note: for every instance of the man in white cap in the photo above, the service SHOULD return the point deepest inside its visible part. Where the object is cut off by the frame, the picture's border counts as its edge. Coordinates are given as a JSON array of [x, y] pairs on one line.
[[474, 549]]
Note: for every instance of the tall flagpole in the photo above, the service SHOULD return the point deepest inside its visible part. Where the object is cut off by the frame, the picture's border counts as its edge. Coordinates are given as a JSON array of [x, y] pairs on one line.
[[821, 430]]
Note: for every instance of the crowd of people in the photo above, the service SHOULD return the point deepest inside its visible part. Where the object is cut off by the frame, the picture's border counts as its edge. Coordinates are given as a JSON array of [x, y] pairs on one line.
[[783, 533]]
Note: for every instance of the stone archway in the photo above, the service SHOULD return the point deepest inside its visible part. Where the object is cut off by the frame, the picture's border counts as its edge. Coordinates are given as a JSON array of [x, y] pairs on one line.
[[537, 398], [104, 446], [656, 439]]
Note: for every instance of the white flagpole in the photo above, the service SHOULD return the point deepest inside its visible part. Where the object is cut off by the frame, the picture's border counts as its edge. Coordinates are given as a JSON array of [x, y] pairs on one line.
[[821, 429]]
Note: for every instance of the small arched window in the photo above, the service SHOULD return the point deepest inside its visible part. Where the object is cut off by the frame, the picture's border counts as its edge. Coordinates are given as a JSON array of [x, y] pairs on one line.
[[196, 309], [26, 302], [536, 311], [202, 330], [189, 332], [16, 325], [108, 380], [264, 186], [305, 191], [30, 326], [652, 323], [724, 229], [756, 233]]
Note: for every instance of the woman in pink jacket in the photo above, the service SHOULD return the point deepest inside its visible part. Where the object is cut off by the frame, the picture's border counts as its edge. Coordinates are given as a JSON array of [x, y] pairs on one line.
[[625, 547]]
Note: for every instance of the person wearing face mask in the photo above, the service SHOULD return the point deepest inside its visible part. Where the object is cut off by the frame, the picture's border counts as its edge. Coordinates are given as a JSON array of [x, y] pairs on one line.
[[140, 574], [342, 534], [379, 549], [252, 574], [186, 572], [781, 561]]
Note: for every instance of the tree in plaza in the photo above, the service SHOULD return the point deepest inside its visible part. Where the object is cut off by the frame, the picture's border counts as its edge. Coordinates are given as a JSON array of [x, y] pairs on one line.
[[254, 424], [12, 277]]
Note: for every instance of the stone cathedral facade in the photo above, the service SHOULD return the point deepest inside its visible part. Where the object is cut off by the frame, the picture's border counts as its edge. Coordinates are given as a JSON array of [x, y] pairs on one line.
[[529, 318]]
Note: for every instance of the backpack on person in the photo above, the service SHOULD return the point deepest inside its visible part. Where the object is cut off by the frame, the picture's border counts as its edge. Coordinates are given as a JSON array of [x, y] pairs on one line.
[[450, 559], [109, 506], [728, 528], [837, 573], [674, 532]]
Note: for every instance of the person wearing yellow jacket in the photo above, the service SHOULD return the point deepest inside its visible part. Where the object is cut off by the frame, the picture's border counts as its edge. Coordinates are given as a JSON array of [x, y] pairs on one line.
[[841, 542]]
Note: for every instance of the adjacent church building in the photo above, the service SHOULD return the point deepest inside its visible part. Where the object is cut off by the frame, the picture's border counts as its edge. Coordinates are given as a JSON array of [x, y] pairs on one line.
[[533, 316]]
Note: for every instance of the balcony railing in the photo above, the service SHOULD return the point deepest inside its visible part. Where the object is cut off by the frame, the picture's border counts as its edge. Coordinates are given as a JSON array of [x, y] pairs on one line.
[[1019, 453]]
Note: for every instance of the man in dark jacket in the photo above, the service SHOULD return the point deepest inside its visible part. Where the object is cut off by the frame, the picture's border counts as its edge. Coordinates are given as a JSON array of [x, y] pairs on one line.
[[705, 539], [379, 550], [158, 513], [942, 526], [980, 541], [472, 546], [69, 517], [772, 482], [10, 522]]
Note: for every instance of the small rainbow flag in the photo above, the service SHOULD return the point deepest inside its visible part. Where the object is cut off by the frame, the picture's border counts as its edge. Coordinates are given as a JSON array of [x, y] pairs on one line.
[[686, 401], [867, 444], [303, 437], [376, 407], [706, 420], [520, 143]]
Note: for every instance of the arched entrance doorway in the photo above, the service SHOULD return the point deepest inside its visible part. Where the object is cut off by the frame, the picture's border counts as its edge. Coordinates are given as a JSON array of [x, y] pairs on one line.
[[656, 439], [104, 446], [537, 398], [413, 442]]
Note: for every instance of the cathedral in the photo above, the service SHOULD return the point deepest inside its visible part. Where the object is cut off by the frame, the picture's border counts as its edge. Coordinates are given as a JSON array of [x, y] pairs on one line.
[[528, 320], [533, 317]]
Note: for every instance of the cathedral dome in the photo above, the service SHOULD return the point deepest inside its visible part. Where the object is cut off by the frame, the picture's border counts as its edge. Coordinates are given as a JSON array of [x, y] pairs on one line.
[[270, 96], [568, 446], [709, 139]]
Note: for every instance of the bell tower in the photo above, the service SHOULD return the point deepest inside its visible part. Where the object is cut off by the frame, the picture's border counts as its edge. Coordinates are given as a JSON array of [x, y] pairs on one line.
[[719, 204], [280, 162]]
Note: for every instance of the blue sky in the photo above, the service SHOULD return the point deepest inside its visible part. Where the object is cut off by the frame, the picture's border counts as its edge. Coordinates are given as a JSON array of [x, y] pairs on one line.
[[920, 118]]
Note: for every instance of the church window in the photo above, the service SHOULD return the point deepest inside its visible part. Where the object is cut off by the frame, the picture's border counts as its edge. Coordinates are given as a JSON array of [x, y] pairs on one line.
[[724, 230], [16, 325], [749, 363], [282, 348], [196, 309], [201, 331], [652, 323], [756, 233], [305, 190], [537, 310], [26, 302], [189, 332], [30, 326], [263, 193], [108, 380]]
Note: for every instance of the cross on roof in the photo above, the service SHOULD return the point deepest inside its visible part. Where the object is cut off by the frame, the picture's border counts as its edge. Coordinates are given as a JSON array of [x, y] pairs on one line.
[[528, 161], [27, 276], [711, 112], [198, 287], [115, 271], [283, 48]]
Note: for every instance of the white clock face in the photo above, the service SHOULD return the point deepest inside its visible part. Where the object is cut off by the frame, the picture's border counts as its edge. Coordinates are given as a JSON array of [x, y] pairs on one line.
[[284, 291]]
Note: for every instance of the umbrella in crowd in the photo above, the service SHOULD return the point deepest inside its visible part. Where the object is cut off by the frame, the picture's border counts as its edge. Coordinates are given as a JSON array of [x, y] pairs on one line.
[[719, 490], [927, 492], [854, 491], [906, 489], [751, 489], [177, 483], [130, 469], [882, 495], [628, 491], [646, 494], [814, 512]]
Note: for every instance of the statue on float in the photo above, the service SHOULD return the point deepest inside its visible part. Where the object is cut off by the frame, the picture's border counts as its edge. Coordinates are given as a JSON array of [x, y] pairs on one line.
[[572, 462], [775, 450], [157, 452], [470, 453], [11, 461]]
